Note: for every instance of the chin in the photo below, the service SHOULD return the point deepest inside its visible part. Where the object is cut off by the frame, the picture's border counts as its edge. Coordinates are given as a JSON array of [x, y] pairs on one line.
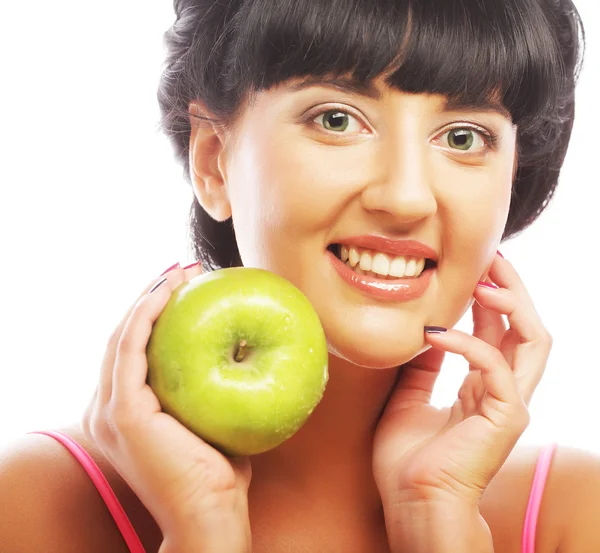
[[382, 351]]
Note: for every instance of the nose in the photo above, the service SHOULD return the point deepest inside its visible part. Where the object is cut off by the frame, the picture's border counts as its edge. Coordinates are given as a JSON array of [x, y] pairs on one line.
[[402, 192]]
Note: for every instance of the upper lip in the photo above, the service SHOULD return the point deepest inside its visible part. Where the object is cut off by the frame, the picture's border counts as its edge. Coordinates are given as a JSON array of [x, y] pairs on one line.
[[391, 246]]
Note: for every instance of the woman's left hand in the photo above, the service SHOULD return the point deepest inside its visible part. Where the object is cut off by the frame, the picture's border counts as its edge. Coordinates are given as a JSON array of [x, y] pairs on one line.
[[450, 455]]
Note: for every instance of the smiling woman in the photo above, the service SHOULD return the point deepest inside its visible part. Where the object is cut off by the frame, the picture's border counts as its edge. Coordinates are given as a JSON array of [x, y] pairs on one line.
[[509, 54], [375, 153]]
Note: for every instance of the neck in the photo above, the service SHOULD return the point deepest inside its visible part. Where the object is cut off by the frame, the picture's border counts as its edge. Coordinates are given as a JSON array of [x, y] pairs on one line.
[[334, 447]]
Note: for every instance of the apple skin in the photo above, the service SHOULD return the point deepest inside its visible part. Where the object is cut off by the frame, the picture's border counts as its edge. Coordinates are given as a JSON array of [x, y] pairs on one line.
[[239, 407]]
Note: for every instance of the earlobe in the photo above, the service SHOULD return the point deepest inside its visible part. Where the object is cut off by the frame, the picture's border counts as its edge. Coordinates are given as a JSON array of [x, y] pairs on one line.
[[207, 175]]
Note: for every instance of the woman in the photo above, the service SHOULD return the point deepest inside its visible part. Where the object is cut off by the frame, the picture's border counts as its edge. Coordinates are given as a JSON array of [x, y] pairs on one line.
[[374, 153]]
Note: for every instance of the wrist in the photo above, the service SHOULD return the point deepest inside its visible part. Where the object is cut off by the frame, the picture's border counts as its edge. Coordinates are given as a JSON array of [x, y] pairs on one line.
[[209, 532], [428, 527], [219, 542]]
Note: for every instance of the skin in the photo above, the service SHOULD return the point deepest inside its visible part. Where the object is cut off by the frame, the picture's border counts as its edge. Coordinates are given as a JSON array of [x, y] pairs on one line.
[[294, 187]]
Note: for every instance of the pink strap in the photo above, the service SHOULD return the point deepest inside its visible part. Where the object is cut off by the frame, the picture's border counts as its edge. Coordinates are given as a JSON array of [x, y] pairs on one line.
[[135, 546], [535, 498], [116, 510]]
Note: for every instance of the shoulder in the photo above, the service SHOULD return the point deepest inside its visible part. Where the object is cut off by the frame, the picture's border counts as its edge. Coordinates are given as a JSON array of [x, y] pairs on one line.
[[569, 518], [576, 498], [49, 502]]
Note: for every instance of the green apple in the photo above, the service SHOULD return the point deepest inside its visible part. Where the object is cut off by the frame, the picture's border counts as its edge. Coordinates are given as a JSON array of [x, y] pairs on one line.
[[239, 357]]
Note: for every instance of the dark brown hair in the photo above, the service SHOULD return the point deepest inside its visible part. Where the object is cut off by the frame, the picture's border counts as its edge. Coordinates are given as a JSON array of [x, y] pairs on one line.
[[528, 52]]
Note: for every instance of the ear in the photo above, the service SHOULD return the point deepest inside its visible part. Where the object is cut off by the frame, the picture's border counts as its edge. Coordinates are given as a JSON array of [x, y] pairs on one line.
[[207, 168]]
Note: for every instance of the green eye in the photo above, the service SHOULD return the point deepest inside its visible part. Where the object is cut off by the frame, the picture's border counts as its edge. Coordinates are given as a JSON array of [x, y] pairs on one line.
[[460, 138], [335, 120]]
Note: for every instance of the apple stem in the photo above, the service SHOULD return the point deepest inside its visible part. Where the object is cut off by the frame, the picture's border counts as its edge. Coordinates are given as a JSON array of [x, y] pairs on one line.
[[241, 351]]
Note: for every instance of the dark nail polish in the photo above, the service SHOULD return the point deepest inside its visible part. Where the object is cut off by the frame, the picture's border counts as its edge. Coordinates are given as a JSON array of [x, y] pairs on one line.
[[157, 285], [435, 329]]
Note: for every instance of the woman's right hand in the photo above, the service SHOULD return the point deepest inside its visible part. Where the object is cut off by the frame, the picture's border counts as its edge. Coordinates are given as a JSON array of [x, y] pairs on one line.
[[198, 496]]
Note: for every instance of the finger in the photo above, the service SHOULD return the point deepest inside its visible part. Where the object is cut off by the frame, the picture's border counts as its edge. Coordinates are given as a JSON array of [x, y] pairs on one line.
[[488, 325], [107, 365], [417, 378], [527, 344], [106, 371], [470, 394], [519, 311], [131, 366], [503, 274], [496, 374]]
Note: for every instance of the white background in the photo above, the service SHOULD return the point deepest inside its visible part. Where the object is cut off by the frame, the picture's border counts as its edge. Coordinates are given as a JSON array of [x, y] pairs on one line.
[[93, 206]]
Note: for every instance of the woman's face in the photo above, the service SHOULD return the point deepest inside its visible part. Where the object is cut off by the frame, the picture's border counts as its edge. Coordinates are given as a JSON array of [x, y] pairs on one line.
[[300, 176]]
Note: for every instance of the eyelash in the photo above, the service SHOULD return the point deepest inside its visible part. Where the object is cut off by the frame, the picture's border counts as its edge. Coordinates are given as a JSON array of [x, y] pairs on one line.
[[491, 138]]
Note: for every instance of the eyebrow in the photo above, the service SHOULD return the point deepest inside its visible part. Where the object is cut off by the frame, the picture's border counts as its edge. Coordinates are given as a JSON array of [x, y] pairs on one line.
[[371, 91]]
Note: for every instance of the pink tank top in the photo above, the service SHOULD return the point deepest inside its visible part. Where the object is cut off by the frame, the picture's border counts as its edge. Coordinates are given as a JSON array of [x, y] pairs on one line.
[[135, 545]]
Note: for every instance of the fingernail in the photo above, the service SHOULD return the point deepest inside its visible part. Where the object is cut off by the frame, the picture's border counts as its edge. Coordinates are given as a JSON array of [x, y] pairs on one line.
[[157, 285], [435, 329], [171, 268], [191, 265], [487, 285], [498, 252]]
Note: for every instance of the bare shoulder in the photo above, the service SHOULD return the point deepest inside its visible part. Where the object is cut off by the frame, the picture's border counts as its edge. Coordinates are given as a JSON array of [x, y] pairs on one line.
[[576, 500], [569, 516], [49, 503]]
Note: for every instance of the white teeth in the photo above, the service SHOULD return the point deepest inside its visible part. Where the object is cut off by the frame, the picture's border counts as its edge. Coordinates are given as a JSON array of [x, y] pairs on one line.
[[344, 253], [381, 265], [411, 267], [397, 267], [365, 261]]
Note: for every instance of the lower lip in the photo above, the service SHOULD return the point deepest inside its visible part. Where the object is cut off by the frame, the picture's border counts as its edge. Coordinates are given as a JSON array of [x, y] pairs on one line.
[[401, 289]]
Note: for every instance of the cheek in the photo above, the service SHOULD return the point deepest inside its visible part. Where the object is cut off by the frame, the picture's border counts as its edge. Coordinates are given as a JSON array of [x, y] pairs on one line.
[[272, 189], [475, 209], [472, 221], [281, 194]]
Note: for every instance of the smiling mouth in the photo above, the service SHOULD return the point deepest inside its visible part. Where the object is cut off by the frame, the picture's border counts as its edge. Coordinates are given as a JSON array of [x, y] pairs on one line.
[[380, 265]]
